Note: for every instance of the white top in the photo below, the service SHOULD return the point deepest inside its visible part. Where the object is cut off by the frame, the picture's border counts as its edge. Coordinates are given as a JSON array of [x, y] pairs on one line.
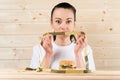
[[60, 53]]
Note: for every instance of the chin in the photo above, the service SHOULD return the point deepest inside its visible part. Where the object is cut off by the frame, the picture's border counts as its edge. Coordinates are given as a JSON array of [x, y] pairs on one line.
[[64, 36]]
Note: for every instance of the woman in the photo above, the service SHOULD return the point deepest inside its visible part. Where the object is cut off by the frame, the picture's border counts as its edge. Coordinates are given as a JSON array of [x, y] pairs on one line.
[[60, 47]]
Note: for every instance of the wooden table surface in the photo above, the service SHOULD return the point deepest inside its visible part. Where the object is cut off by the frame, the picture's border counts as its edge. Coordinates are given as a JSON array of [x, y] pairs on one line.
[[33, 75]]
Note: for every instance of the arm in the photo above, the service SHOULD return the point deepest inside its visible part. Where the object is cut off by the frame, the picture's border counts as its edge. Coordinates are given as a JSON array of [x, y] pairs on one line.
[[90, 58], [47, 45], [47, 60], [79, 61], [38, 54], [80, 45]]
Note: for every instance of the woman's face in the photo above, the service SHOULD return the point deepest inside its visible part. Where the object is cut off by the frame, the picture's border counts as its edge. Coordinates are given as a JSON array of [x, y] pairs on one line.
[[63, 20]]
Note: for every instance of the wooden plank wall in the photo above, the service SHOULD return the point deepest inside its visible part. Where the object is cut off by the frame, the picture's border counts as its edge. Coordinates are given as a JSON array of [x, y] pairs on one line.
[[22, 22]]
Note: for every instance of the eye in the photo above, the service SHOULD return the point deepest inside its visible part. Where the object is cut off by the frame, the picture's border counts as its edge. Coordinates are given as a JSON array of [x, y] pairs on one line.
[[69, 21], [58, 21]]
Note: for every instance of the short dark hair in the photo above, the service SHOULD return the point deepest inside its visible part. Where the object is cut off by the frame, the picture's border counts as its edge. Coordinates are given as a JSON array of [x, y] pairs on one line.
[[64, 5]]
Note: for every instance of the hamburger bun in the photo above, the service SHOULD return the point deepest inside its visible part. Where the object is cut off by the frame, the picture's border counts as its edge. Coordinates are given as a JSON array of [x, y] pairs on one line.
[[66, 64]]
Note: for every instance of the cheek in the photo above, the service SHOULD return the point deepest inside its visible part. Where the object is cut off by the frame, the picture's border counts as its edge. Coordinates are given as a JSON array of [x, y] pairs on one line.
[[71, 27], [55, 27]]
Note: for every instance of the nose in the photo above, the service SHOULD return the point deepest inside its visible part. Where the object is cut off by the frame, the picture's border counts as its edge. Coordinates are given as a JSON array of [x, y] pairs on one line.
[[63, 26]]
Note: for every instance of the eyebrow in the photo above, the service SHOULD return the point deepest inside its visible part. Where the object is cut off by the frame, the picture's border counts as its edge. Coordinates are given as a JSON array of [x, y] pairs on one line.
[[61, 19], [58, 18]]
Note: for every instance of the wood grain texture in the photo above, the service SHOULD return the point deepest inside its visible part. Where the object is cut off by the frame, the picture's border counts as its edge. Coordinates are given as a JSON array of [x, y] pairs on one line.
[[32, 75], [23, 29], [18, 41], [15, 53], [23, 22], [43, 16], [37, 4], [104, 40], [14, 64], [106, 53]]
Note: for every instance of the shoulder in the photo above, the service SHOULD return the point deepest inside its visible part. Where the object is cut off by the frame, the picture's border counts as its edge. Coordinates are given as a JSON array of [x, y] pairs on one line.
[[88, 49], [37, 47]]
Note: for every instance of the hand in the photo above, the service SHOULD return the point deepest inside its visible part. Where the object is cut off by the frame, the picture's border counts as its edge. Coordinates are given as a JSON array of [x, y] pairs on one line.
[[46, 43], [80, 43]]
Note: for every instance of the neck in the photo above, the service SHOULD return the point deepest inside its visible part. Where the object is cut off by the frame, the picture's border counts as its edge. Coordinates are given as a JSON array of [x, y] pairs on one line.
[[62, 40]]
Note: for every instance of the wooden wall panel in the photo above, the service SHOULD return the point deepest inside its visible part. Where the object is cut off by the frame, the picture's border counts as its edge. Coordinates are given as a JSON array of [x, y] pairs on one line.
[[104, 40], [37, 4], [28, 41], [27, 16], [14, 64], [106, 52], [23, 29], [15, 53], [107, 64], [22, 23], [42, 16], [18, 41], [35, 29], [99, 28], [107, 58]]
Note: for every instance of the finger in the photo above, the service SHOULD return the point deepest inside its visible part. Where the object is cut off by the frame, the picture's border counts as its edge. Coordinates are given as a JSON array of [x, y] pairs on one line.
[[46, 45], [47, 42], [85, 40], [50, 36], [81, 39], [47, 37]]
